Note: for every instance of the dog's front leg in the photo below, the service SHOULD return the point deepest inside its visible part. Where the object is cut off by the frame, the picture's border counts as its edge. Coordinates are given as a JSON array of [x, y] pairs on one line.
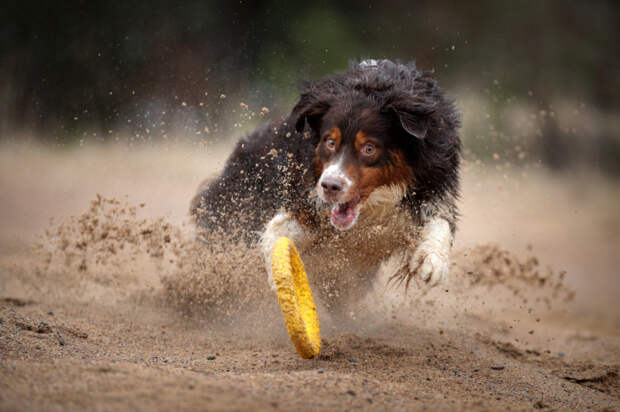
[[431, 259], [282, 224]]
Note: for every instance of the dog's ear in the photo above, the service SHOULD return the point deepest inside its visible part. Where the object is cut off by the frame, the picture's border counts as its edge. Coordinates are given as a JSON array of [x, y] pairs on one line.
[[310, 108], [413, 119]]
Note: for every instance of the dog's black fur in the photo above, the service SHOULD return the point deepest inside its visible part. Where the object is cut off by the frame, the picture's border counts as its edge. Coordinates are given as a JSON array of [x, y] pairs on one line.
[[273, 169]]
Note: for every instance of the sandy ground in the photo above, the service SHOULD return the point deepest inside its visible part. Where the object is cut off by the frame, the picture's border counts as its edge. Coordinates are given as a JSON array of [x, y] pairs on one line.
[[529, 320]]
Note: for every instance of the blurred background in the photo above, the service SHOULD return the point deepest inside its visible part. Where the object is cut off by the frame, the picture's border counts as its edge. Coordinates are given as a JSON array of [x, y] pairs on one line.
[[537, 81]]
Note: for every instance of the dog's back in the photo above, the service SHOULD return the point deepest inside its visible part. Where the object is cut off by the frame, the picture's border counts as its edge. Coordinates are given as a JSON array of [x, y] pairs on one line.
[[264, 174]]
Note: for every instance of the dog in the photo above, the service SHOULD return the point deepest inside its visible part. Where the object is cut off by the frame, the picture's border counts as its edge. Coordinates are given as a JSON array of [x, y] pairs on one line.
[[364, 170]]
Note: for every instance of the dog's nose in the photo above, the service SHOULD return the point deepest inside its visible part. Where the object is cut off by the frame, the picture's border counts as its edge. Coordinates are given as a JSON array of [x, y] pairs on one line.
[[331, 186]]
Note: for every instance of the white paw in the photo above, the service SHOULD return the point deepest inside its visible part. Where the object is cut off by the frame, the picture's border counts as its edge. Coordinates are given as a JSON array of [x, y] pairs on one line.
[[429, 265]]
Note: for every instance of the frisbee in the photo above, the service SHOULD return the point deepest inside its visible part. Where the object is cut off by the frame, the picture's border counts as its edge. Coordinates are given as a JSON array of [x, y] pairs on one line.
[[295, 298]]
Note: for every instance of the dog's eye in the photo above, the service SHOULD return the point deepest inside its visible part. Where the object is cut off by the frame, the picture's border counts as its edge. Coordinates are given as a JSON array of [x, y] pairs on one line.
[[369, 149], [330, 143]]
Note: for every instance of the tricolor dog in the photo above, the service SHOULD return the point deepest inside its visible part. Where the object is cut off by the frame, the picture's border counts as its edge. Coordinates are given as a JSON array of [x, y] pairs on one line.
[[364, 169]]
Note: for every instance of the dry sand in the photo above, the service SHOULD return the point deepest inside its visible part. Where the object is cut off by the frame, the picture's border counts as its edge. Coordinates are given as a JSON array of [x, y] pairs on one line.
[[116, 308]]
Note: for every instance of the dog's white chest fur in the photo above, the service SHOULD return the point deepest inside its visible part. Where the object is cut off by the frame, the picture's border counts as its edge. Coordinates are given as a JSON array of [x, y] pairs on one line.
[[335, 260], [382, 228]]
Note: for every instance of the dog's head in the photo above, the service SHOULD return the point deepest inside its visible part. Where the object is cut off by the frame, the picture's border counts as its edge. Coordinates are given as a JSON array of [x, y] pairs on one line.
[[362, 148], [369, 126]]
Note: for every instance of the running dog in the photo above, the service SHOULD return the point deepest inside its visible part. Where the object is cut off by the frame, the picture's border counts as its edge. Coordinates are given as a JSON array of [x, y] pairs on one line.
[[364, 169]]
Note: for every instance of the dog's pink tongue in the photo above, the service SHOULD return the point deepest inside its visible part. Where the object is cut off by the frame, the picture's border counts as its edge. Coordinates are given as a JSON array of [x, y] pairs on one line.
[[343, 215]]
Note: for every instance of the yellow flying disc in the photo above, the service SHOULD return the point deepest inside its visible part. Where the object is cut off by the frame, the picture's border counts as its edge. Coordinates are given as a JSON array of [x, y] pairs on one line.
[[295, 298]]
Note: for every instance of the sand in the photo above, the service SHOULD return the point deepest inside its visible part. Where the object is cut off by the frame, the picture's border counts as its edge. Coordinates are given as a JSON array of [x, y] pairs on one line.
[[112, 305]]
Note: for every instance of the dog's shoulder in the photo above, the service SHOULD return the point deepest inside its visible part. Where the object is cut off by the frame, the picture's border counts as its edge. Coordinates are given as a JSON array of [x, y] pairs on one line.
[[264, 173]]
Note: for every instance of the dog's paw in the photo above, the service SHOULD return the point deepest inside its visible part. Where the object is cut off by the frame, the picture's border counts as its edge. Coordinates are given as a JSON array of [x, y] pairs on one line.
[[429, 265]]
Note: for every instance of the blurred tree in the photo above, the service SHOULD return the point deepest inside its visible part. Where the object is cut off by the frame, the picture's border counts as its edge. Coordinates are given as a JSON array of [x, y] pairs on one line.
[[149, 67]]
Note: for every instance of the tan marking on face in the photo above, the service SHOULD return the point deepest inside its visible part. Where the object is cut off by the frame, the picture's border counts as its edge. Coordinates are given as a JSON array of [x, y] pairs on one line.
[[361, 139], [362, 180], [367, 147], [318, 165], [322, 148], [336, 134], [399, 169], [398, 172]]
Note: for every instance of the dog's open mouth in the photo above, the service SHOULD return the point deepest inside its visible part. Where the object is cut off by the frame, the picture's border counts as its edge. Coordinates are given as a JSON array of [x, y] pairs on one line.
[[344, 215]]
